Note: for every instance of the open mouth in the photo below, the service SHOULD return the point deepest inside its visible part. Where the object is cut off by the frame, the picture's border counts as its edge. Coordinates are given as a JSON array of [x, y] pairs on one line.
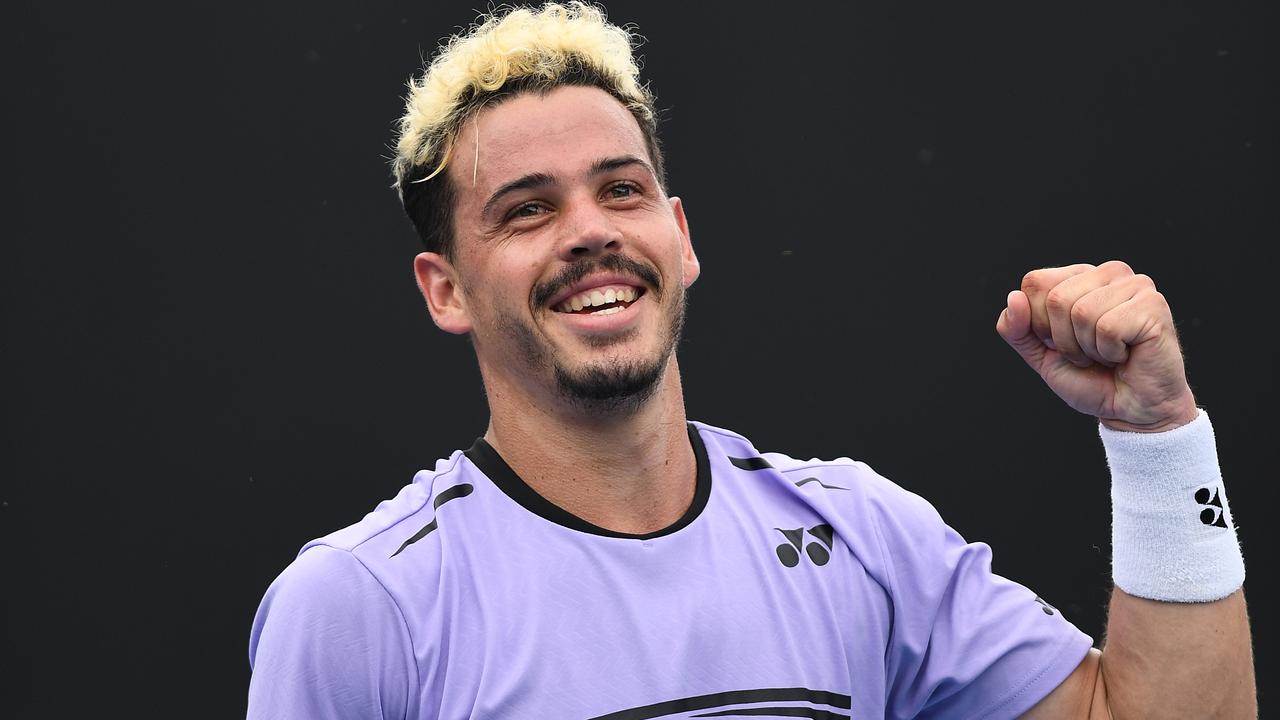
[[605, 300]]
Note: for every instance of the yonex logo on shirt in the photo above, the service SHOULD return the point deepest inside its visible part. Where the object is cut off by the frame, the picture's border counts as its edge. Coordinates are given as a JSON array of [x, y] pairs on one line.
[[789, 552]]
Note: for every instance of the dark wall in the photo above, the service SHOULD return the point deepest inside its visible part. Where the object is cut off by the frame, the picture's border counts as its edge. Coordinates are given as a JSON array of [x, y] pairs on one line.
[[215, 350]]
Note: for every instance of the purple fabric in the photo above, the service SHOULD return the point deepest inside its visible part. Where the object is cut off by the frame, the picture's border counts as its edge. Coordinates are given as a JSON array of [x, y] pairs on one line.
[[843, 594]]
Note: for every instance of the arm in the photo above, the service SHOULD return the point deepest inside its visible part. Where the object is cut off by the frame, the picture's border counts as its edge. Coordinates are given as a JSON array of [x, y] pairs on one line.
[[1103, 339], [329, 642], [1162, 660]]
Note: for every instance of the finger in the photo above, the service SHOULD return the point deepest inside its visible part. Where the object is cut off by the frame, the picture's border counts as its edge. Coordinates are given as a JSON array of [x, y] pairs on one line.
[[1090, 307], [1014, 326], [1036, 285], [1141, 318], [1060, 305]]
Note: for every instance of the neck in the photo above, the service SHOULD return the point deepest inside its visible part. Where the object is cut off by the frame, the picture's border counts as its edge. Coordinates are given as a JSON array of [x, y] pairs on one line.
[[631, 472]]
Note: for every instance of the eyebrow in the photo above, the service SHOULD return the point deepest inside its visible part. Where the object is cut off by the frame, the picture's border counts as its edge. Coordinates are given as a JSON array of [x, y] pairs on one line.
[[524, 182], [541, 180], [605, 165]]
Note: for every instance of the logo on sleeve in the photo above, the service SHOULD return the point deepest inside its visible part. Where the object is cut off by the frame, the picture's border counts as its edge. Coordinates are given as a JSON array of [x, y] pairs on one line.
[[819, 552], [1046, 607], [1212, 515], [457, 491]]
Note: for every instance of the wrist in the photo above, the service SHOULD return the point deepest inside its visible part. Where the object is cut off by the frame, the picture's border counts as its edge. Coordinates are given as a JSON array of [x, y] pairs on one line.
[[1173, 537], [1183, 414]]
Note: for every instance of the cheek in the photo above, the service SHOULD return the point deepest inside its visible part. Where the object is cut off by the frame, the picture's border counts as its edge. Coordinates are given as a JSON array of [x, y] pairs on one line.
[[505, 299], [494, 286]]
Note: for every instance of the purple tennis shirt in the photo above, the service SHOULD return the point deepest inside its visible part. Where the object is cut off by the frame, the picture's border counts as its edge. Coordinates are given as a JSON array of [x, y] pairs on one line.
[[790, 588]]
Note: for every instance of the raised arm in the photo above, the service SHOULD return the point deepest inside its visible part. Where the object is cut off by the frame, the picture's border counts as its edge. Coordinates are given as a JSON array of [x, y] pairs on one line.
[[1177, 642]]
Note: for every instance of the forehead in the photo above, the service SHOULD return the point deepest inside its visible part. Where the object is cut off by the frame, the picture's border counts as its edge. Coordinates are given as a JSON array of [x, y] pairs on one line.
[[560, 133]]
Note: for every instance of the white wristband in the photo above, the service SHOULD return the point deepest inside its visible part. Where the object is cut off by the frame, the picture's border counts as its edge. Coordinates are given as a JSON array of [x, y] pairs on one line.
[[1172, 536]]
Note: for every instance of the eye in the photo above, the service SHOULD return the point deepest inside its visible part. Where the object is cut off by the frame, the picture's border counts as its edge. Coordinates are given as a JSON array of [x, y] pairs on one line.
[[622, 190], [526, 210]]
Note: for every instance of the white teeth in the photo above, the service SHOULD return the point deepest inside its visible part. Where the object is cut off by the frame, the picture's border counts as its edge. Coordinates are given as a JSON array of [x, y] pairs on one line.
[[609, 311], [594, 298]]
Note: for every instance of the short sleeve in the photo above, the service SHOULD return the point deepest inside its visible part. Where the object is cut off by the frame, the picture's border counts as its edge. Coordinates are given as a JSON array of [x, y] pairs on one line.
[[966, 643], [329, 642]]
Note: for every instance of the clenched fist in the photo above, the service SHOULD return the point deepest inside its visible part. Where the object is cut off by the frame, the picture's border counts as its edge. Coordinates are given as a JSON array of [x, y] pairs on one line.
[[1103, 339]]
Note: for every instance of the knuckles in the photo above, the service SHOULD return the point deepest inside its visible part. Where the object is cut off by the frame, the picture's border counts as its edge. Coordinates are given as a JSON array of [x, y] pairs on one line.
[[1048, 290], [1058, 302], [1116, 267], [1035, 281], [1160, 301], [1151, 297], [1108, 306], [1108, 328], [1081, 314]]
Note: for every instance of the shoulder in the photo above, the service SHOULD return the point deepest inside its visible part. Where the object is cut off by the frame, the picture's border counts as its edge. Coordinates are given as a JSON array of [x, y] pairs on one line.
[[321, 584], [883, 523], [858, 481], [328, 641], [342, 569], [357, 562], [339, 615], [380, 533]]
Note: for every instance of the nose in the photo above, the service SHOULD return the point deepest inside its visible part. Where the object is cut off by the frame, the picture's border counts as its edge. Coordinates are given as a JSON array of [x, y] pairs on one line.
[[589, 230]]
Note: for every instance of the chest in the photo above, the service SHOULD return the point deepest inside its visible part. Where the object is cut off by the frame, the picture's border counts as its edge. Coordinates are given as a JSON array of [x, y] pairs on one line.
[[552, 624]]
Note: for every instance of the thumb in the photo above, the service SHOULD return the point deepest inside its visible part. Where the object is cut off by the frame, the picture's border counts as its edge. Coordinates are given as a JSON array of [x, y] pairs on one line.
[[1014, 325]]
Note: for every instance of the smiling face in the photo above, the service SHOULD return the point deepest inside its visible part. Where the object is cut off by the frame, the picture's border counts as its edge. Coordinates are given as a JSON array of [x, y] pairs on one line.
[[570, 263]]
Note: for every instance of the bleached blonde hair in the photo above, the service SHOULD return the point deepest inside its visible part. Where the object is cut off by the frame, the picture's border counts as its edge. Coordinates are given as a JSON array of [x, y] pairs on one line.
[[509, 51]]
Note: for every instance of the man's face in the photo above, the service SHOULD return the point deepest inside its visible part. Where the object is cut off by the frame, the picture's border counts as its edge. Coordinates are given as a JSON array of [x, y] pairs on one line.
[[570, 263]]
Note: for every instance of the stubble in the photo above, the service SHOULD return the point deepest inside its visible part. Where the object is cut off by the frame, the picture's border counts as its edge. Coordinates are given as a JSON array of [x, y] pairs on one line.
[[617, 384]]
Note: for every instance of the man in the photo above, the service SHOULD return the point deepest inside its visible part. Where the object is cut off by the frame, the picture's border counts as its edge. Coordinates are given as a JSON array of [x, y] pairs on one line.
[[595, 555]]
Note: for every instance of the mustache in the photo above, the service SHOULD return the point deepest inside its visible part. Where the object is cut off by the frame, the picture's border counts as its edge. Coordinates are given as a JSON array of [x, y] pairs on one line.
[[570, 274]]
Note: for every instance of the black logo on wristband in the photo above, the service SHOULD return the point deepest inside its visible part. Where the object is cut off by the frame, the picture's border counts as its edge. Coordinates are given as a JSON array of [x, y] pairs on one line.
[[1212, 512]]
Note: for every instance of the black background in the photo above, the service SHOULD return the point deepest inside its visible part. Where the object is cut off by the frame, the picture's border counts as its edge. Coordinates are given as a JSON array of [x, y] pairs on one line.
[[215, 350]]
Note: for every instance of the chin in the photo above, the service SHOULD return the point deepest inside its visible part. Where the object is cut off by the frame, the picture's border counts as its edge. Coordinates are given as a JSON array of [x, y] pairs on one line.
[[612, 387]]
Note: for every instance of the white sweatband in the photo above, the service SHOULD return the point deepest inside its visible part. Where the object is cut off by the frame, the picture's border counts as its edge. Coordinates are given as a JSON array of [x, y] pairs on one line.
[[1172, 536]]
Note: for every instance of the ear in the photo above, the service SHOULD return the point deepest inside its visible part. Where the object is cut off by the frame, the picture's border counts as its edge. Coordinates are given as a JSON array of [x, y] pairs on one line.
[[437, 279], [692, 268]]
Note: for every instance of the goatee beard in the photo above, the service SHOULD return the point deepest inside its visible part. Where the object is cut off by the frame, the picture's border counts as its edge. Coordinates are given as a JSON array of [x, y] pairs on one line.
[[618, 385], [621, 387], [610, 390]]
